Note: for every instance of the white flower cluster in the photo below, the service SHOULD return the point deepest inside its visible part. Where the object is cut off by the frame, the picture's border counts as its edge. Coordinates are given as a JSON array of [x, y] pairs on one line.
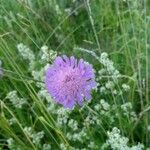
[[103, 107], [10, 142], [109, 85], [62, 116], [73, 124], [27, 54], [91, 120], [51, 107], [39, 75], [46, 147], [104, 104], [15, 100], [58, 10], [118, 142], [63, 146], [128, 111], [43, 94], [126, 107], [92, 145], [80, 136], [148, 128], [109, 66], [102, 89], [47, 55], [12, 121], [36, 137], [110, 73], [125, 87], [12, 145]]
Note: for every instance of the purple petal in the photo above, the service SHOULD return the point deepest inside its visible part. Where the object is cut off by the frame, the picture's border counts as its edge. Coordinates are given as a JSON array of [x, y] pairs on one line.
[[69, 104], [66, 59], [72, 61], [81, 64], [87, 95], [58, 61], [79, 99]]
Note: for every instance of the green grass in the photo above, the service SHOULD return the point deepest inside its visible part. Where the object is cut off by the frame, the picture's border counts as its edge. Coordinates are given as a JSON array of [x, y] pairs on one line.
[[118, 27]]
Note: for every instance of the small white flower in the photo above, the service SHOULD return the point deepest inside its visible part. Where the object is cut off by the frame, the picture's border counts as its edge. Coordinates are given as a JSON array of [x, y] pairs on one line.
[[108, 66], [46, 147], [104, 104], [102, 71], [73, 124], [102, 89], [97, 107], [10, 142], [25, 52], [125, 87], [148, 128], [126, 107], [47, 55], [36, 137], [58, 11], [63, 146], [104, 55], [109, 85], [12, 121], [15, 100], [118, 142], [92, 145]]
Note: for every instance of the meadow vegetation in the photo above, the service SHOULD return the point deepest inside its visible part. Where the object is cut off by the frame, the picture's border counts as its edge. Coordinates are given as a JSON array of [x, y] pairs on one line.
[[113, 36]]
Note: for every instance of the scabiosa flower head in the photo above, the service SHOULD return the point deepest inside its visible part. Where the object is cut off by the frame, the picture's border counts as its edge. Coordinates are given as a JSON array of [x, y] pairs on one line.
[[70, 81]]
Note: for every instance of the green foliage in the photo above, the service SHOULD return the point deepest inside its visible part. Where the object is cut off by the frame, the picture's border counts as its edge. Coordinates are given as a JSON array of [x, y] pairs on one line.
[[85, 29]]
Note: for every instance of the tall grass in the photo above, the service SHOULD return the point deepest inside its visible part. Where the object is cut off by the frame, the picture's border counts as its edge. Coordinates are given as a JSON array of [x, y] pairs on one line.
[[85, 29]]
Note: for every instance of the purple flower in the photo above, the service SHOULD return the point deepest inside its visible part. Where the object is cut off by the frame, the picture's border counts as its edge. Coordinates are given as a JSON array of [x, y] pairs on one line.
[[70, 81]]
